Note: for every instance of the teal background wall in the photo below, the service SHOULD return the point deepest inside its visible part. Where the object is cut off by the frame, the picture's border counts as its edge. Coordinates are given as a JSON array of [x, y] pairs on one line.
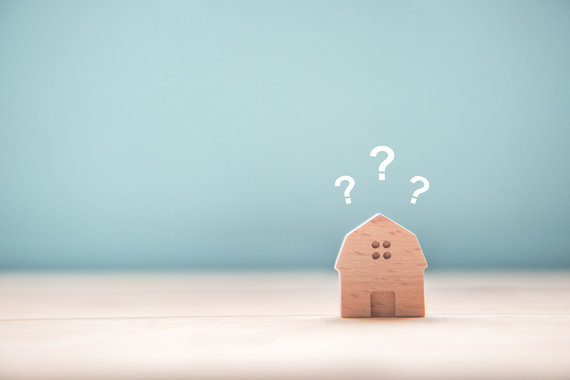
[[208, 134]]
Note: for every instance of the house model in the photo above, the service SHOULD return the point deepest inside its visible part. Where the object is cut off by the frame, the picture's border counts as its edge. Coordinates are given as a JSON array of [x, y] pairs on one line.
[[381, 269]]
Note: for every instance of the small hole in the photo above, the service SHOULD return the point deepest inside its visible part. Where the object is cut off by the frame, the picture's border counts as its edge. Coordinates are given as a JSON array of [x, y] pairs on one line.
[[375, 255], [387, 255], [386, 244], [375, 244]]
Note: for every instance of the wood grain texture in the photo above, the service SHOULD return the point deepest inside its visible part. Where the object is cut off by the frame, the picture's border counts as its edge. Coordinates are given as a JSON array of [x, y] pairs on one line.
[[381, 256], [280, 325]]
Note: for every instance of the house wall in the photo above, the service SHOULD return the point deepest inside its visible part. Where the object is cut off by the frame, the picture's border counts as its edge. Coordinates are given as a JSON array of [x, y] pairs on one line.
[[384, 281]]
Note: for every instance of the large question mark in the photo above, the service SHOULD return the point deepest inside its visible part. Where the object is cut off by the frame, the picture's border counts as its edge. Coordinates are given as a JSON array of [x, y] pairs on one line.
[[421, 190], [386, 162], [348, 189]]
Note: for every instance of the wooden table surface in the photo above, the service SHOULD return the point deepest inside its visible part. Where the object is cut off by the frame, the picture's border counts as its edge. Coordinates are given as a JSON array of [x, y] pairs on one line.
[[284, 325]]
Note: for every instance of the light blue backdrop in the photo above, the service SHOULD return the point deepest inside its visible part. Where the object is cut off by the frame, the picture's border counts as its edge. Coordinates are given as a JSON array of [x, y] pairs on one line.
[[209, 134]]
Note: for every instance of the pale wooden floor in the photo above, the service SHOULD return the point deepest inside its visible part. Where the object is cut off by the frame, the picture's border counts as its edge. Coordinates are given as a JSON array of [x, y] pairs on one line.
[[278, 325]]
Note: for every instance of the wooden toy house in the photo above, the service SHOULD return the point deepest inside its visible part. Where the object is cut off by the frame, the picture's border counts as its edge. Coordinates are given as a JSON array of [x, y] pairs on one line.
[[381, 269]]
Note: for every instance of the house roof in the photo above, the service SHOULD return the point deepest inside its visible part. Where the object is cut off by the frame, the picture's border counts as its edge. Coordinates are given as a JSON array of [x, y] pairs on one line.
[[379, 218]]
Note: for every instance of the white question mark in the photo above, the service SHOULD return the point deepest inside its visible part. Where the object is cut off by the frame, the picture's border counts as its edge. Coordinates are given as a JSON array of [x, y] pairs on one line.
[[348, 189], [386, 162], [421, 190]]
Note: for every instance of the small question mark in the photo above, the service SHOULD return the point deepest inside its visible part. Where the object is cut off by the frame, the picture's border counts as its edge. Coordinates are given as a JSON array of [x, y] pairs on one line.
[[421, 190], [348, 189], [386, 162]]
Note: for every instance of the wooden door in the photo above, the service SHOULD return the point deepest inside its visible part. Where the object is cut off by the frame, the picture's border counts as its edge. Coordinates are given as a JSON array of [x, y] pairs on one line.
[[383, 304]]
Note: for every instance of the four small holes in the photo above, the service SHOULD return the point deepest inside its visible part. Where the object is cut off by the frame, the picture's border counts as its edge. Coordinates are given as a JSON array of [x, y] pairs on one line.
[[385, 244]]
